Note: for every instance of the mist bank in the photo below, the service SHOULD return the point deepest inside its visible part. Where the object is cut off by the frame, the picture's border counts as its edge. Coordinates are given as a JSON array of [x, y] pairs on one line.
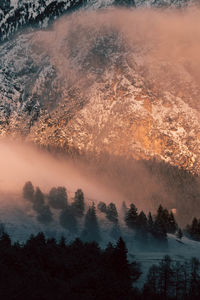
[[21, 162], [147, 184], [162, 46]]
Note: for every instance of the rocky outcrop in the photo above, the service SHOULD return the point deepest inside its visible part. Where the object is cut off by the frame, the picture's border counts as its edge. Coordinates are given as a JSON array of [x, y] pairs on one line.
[[91, 90]]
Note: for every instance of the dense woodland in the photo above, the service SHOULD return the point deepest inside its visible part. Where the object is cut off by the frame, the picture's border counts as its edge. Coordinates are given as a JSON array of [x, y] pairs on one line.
[[48, 269]]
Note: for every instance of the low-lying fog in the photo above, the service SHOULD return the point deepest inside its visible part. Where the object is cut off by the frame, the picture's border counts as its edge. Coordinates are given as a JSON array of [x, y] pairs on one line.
[[109, 179], [22, 162]]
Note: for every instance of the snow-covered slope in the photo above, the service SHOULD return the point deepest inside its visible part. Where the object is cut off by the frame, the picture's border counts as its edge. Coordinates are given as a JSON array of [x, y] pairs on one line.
[[105, 88], [20, 14], [179, 251]]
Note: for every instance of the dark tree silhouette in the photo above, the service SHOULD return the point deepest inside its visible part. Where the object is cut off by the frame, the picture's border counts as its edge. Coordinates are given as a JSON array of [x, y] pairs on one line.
[[58, 197], [166, 277], [150, 223], [195, 279], [102, 207], [167, 219], [38, 202], [5, 241], [45, 215], [142, 221], [131, 217], [68, 220], [28, 191], [159, 233], [172, 225], [193, 230], [111, 213], [150, 289], [142, 230], [91, 230], [78, 205], [179, 234]]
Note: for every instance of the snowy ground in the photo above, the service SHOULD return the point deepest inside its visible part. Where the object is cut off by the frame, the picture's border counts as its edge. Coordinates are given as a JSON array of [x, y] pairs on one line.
[[178, 250]]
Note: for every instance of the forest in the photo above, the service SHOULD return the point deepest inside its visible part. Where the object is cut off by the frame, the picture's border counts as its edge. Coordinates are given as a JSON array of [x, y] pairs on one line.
[[81, 219], [47, 268], [44, 268]]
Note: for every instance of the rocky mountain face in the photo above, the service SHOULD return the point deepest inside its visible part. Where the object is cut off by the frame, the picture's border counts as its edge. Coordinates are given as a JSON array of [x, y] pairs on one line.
[[104, 88], [20, 14]]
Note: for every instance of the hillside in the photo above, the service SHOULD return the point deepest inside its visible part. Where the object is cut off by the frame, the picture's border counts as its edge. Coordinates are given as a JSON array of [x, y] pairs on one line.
[[103, 89]]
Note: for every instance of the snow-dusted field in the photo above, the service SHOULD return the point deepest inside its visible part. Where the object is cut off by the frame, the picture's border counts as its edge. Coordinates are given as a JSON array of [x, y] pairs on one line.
[[178, 250]]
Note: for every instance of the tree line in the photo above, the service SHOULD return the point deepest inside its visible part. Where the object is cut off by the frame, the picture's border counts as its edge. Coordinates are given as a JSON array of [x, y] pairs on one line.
[[44, 268], [148, 229]]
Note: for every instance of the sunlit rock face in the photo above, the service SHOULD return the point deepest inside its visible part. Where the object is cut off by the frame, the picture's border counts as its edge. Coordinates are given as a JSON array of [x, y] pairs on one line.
[[124, 82]]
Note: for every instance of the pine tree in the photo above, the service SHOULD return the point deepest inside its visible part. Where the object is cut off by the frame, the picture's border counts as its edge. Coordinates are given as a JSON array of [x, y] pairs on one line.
[[172, 225], [2, 228], [166, 277], [38, 201], [102, 207], [167, 219], [131, 217], [179, 234], [122, 250], [195, 279], [150, 289], [91, 230], [111, 213], [180, 281], [163, 216], [28, 191], [150, 223], [109, 249], [159, 233], [142, 221], [68, 220], [5, 242], [78, 205], [194, 232], [141, 230], [58, 197], [62, 242], [36, 242], [45, 215]]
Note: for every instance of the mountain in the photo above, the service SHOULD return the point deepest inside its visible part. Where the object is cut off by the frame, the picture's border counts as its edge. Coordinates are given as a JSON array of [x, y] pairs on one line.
[[104, 89]]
